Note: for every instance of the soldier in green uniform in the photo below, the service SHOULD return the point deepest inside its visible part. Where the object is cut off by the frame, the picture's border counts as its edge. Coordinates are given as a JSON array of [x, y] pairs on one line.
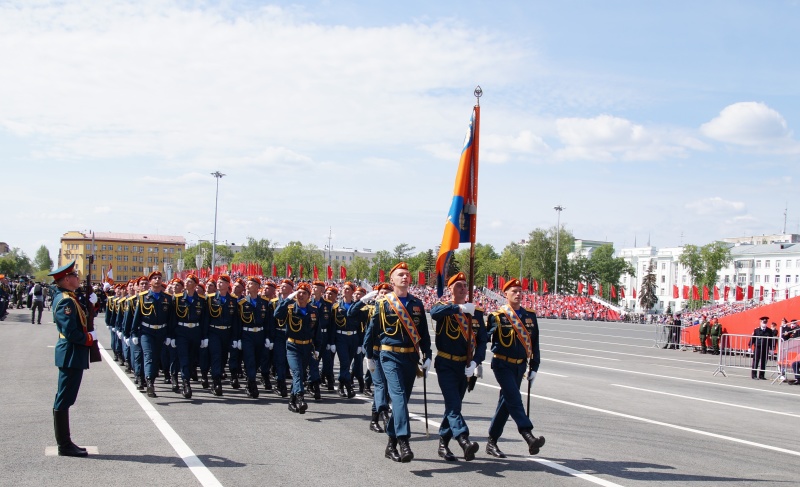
[[705, 330], [716, 334], [72, 354]]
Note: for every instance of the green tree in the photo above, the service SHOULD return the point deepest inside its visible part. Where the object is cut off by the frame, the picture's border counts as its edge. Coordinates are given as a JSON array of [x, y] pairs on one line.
[[15, 263], [540, 255], [403, 251], [359, 268], [486, 259], [703, 264], [224, 254], [261, 251], [383, 260], [608, 268], [42, 260], [648, 293]]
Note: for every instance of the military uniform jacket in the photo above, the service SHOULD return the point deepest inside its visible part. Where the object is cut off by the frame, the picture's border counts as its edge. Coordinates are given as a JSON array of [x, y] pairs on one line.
[[72, 350], [152, 313], [222, 312], [705, 328], [301, 323], [758, 338], [191, 310], [327, 335], [385, 327], [450, 338], [360, 311], [258, 318], [111, 310], [343, 320], [505, 341], [716, 330], [127, 318]]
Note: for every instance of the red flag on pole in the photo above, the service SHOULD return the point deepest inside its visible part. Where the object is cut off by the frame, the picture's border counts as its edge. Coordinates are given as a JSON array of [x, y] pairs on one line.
[[705, 293], [725, 292], [301, 271], [613, 292], [761, 293], [490, 282], [739, 293], [316, 272], [502, 282], [544, 286], [749, 292], [421, 278], [382, 275], [591, 290], [622, 293], [695, 293], [634, 293], [600, 289], [343, 272], [536, 286], [288, 270], [525, 283], [675, 291], [716, 293], [580, 287], [685, 292]]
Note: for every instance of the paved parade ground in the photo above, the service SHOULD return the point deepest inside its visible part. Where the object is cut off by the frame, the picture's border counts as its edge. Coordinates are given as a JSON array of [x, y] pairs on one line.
[[614, 411]]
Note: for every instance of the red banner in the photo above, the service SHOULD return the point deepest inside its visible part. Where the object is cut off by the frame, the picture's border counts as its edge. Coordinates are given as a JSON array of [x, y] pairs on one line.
[[525, 283], [622, 293], [749, 292], [685, 292], [382, 275], [613, 292], [761, 293], [343, 272], [600, 289], [316, 272], [725, 292], [274, 270], [421, 278], [301, 271], [716, 293], [544, 286], [739, 293], [580, 287], [490, 282], [288, 270], [675, 291], [536, 286], [591, 290], [330, 273]]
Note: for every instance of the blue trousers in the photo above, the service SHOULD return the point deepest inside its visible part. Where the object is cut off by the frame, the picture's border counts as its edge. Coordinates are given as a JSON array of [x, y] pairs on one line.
[[313, 370], [400, 370], [218, 342], [279, 356], [113, 340], [509, 377], [126, 353], [327, 363], [357, 371], [380, 400], [453, 384], [346, 347], [252, 350], [151, 349], [136, 357], [299, 357], [187, 348], [69, 382]]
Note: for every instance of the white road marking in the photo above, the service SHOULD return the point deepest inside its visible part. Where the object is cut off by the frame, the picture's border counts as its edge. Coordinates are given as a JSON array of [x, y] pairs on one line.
[[649, 339], [581, 355], [652, 357], [709, 401], [203, 474], [595, 341]]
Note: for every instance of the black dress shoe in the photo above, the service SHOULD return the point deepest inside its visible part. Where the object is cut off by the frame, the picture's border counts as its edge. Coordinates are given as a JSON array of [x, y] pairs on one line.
[[341, 390], [350, 392], [302, 406], [187, 389], [234, 381], [391, 450], [534, 443], [444, 451], [374, 425], [293, 404], [469, 447], [151, 388], [316, 391], [493, 450], [406, 455], [217, 389]]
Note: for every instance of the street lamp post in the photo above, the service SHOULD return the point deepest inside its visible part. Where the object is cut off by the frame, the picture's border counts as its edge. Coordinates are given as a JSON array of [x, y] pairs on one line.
[[558, 209], [521, 256], [218, 175]]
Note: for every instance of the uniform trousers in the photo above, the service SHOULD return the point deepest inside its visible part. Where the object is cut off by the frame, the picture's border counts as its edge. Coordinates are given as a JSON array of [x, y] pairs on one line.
[[299, 357], [453, 384], [69, 382], [252, 350], [346, 346], [380, 400], [218, 342], [152, 343], [509, 377], [187, 349], [400, 370]]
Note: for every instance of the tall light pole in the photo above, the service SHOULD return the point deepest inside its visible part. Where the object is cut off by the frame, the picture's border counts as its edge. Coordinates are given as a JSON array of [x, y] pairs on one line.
[[218, 175], [558, 209], [521, 255]]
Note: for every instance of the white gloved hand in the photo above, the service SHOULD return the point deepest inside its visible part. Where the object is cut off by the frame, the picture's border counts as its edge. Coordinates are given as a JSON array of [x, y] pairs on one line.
[[172, 343], [268, 343], [94, 335], [135, 340], [359, 350], [292, 296], [426, 365], [119, 334], [479, 372], [468, 308], [531, 376], [316, 355], [93, 298], [333, 348], [166, 341], [204, 343], [271, 345], [239, 344], [128, 342], [369, 296], [469, 371], [109, 327], [371, 364], [233, 344], [328, 346]]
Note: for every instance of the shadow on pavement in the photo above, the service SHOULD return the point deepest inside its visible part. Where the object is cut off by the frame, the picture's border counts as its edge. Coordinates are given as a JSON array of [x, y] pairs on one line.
[[208, 460]]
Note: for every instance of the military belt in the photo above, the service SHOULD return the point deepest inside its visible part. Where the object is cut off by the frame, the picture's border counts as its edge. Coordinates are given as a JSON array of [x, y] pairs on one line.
[[299, 342], [389, 348], [188, 325], [61, 335], [282, 330], [153, 327], [348, 333], [220, 327], [377, 348], [515, 361], [254, 330], [454, 358], [323, 330]]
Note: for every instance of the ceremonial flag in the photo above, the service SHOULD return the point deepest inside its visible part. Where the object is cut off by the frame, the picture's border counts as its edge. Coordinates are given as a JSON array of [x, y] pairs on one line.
[[490, 282], [110, 274], [739, 293], [749, 292], [421, 278], [343, 272], [705, 293], [613, 292], [716, 293], [787, 294], [761, 293], [544, 286], [525, 283], [288, 270], [316, 272], [725, 292], [461, 218], [685, 292], [695, 293], [634, 293], [274, 270], [675, 291], [330, 273], [502, 282], [600, 289], [591, 290], [622, 293], [580, 287], [381, 275], [535, 286], [301, 271], [773, 294]]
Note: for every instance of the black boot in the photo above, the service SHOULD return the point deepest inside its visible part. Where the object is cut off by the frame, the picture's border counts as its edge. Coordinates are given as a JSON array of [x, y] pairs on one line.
[[368, 391], [384, 415], [187, 389], [533, 442], [217, 390], [374, 425], [444, 451], [406, 455], [341, 389], [235, 380], [267, 383], [293, 404], [316, 391], [151, 388], [176, 387], [204, 384], [282, 390], [350, 392], [492, 448], [252, 389], [193, 374], [391, 450], [66, 448], [330, 382], [301, 404], [361, 385], [469, 447]]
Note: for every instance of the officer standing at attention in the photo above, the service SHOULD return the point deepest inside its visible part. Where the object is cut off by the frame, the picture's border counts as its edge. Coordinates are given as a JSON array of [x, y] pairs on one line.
[[222, 314], [705, 330], [460, 346], [716, 334], [72, 354], [760, 343], [515, 341], [402, 333], [302, 339], [151, 317], [190, 315], [278, 350], [255, 318]]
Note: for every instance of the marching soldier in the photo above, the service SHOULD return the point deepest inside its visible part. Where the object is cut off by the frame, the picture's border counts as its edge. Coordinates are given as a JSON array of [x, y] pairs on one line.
[[347, 342], [716, 335], [255, 318], [71, 354], [380, 398], [222, 311], [142, 285], [119, 324], [515, 341], [302, 337], [268, 292], [278, 340], [151, 318], [189, 316], [402, 333], [331, 295], [325, 337], [460, 347]]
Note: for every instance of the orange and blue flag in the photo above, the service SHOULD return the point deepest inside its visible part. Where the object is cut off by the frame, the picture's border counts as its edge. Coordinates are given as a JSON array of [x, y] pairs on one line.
[[460, 225]]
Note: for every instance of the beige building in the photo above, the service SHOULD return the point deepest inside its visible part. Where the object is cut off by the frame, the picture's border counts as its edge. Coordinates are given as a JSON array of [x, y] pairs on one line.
[[128, 255]]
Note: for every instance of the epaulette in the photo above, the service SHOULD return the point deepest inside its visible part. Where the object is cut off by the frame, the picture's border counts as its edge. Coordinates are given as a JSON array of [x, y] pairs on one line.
[[264, 298], [201, 296], [209, 296], [530, 310], [273, 300], [142, 293], [131, 298], [478, 309], [242, 300], [329, 302], [291, 306], [313, 305], [234, 296]]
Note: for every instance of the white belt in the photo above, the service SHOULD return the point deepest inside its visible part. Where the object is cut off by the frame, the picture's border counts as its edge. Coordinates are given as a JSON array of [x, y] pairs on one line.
[[348, 333], [323, 330], [253, 329], [188, 325], [154, 327]]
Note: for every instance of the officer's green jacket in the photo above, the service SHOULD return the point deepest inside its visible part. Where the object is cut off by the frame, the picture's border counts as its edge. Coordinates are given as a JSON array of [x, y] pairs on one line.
[[72, 348]]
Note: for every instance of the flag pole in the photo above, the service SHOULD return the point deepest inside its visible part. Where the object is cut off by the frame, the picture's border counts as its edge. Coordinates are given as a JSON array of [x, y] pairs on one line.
[[476, 130]]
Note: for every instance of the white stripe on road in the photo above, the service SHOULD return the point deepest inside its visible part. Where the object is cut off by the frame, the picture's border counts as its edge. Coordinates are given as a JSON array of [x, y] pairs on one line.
[[652, 357], [708, 400], [203, 474], [581, 355], [595, 341], [648, 339]]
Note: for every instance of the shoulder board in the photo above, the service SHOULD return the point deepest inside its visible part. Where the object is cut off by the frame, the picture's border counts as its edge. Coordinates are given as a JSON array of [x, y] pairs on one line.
[[210, 296], [142, 293], [440, 302], [496, 313], [242, 300], [233, 296], [291, 306], [478, 309], [273, 300], [262, 298], [313, 305], [131, 298], [325, 300], [201, 296], [64, 295], [530, 310]]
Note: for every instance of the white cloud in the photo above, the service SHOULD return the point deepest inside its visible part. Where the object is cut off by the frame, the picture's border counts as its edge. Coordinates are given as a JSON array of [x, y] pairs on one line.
[[748, 124], [716, 206], [102, 209], [498, 148]]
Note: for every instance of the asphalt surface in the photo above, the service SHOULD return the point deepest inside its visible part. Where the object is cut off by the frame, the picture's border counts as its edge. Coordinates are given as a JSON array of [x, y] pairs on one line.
[[614, 409]]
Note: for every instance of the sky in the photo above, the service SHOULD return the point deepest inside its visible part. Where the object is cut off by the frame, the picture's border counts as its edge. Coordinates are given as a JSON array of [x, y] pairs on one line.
[[672, 122]]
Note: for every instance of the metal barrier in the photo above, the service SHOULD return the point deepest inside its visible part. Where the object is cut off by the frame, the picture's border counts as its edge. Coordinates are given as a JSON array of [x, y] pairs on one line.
[[669, 336], [788, 358], [744, 351]]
